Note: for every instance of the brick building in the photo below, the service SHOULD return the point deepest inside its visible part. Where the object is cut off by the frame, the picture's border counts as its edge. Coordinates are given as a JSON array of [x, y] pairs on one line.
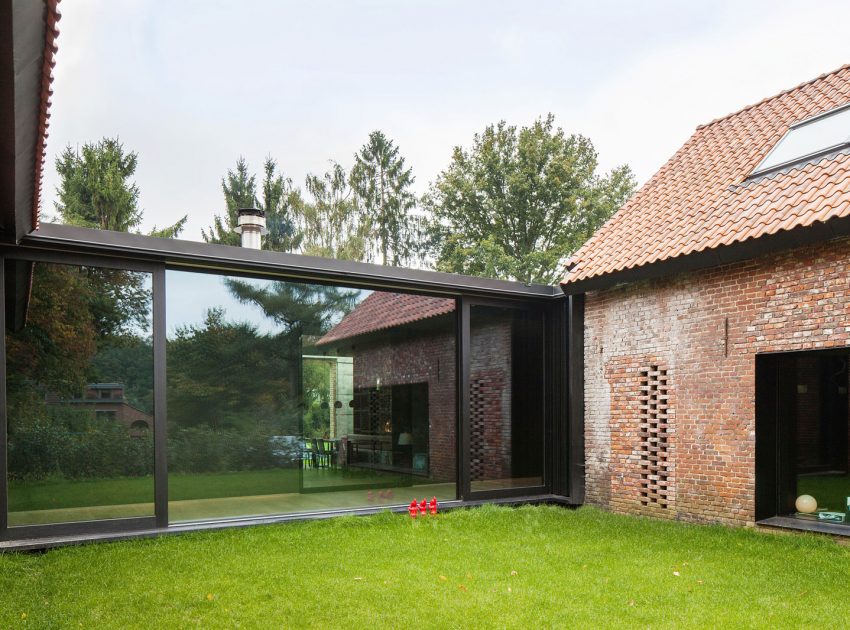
[[106, 401], [717, 320], [403, 349]]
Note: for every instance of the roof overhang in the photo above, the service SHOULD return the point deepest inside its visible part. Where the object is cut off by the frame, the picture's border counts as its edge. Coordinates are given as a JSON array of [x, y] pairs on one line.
[[226, 258], [736, 252], [27, 34]]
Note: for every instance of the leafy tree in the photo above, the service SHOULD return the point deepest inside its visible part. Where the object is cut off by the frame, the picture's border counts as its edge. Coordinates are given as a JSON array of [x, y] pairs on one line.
[[280, 201], [297, 308], [382, 184], [332, 224], [519, 202], [55, 347], [256, 380], [96, 189]]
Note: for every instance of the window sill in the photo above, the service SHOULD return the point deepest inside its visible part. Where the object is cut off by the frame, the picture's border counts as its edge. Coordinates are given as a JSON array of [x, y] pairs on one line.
[[819, 527]]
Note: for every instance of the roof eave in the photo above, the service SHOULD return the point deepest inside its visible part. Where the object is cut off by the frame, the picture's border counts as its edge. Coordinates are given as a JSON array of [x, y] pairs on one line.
[[736, 252], [27, 45]]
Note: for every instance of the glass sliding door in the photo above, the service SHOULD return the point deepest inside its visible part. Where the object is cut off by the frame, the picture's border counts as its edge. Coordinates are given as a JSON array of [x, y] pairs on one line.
[[506, 398], [79, 366], [287, 397]]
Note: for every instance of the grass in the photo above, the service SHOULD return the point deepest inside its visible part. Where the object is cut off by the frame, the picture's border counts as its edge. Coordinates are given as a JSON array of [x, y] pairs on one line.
[[523, 567]]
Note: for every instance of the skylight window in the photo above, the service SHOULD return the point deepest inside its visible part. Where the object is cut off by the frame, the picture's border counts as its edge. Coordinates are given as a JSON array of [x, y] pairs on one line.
[[809, 139]]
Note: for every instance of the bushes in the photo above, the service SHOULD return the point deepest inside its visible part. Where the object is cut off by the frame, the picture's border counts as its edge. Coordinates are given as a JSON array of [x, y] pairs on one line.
[[203, 449], [103, 449], [52, 447]]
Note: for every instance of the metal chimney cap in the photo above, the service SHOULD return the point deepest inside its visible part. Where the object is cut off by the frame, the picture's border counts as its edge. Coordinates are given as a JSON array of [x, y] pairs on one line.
[[250, 221]]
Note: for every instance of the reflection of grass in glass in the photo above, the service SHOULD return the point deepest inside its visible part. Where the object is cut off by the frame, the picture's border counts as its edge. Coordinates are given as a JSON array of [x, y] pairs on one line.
[[56, 493], [69, 493], [830, 491]]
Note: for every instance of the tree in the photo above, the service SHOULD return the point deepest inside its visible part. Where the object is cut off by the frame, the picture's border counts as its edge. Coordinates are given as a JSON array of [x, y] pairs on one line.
[[332, 224], [281, 203], [382, 184], [519, 202], [96, 189], [257, 374]]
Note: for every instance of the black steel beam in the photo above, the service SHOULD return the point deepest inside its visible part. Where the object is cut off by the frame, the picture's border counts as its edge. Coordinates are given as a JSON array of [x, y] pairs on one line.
[[4, 484], [80, 528], [575, 397], [463, 368], [160, 421], [224, 258]]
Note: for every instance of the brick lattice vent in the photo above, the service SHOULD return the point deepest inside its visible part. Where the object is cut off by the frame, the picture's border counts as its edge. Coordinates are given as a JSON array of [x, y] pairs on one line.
[[655, 467], [478, 444]]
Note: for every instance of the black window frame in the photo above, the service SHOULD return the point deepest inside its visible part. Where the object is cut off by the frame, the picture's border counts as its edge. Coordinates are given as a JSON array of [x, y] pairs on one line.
[[562, 361], [126, 524]]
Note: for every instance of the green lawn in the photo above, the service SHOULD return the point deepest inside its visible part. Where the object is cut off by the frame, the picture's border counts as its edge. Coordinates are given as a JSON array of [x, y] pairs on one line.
[[526, 567]]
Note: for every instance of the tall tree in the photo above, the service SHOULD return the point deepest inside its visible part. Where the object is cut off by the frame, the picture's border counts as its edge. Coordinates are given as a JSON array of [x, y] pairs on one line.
[[280, 201], [520, 201], [96, 189], [332, 224], [383, 187]]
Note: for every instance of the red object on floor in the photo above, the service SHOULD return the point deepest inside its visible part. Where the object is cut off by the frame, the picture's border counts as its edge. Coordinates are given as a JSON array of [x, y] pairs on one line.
[[412, 509], [433, 505], [423, 507]]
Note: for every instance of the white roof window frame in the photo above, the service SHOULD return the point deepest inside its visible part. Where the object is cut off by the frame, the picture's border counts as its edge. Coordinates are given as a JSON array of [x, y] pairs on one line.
[[769, 164]]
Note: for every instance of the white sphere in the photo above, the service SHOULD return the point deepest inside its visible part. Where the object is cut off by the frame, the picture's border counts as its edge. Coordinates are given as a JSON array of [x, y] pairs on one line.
[[806, 504]]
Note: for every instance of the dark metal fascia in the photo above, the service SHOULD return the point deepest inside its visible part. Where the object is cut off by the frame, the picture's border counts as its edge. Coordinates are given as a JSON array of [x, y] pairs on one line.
[[213, 257]]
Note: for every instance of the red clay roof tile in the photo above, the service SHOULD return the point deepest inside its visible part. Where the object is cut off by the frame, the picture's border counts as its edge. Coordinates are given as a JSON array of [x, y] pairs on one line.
[[51, 32], [701, 199], [382, 310]]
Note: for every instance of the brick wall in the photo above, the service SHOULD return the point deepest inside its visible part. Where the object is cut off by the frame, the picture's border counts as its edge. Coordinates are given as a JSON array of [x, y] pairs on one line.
[[428, 358], [490, 401], [797, 300], [431, 358]]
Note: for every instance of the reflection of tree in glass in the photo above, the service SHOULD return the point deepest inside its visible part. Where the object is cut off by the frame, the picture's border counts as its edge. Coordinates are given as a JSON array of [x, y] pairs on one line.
[[55, 346], [83, 325], [305, 309], [226, 374], [120, 301], [229, 375], [317, 397]]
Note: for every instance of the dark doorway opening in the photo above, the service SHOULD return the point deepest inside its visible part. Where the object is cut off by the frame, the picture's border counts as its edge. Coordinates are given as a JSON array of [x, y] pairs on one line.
[[802, 428]]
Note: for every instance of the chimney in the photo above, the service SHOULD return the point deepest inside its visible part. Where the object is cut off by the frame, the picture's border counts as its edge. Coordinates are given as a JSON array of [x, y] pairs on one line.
[[251, 224]]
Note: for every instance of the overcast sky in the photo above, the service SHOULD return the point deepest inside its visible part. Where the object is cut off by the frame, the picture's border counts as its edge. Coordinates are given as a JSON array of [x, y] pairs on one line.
[[192, 85]]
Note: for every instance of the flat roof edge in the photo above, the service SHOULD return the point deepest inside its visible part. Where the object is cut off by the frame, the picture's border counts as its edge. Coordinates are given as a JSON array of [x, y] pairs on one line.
[[191, 253]]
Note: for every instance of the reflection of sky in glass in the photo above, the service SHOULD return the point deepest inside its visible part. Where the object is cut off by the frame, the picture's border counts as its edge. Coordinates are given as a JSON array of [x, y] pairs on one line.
[[190, 295]]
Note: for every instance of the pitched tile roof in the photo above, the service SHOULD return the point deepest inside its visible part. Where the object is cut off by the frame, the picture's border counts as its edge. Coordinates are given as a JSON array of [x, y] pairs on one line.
[[382, 310], [700, 198]]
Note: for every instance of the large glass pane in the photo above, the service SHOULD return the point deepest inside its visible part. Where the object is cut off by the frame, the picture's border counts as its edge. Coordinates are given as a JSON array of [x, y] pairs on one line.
[[79, 365], [818, 409], [293, 397], [505, 398]]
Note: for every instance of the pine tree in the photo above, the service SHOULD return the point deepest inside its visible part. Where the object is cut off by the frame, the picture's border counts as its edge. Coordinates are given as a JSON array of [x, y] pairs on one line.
[[96, 189], [280, 203], [382, 185]]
